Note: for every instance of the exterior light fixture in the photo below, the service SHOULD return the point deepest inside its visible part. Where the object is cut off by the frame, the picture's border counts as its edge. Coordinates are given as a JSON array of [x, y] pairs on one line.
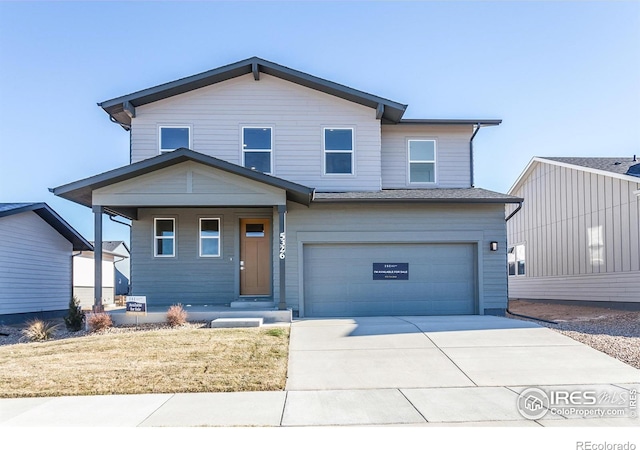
[[493, 246]]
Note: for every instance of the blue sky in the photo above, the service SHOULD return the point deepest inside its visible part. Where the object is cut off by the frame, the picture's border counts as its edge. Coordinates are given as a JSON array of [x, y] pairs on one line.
[[563, 76]]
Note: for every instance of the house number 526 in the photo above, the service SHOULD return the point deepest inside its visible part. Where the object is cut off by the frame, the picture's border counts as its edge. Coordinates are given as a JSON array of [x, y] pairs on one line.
[[283, 245]]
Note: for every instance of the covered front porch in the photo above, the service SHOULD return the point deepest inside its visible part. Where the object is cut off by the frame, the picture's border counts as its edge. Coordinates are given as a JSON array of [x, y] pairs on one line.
[[204, 232]]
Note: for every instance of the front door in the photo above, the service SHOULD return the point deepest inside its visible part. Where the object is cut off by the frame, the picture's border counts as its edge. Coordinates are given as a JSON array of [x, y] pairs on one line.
[[255, 257]]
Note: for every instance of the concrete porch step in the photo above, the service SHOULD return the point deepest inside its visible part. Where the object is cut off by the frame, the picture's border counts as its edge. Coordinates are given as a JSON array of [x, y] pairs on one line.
[[237, 322], [257, 303]]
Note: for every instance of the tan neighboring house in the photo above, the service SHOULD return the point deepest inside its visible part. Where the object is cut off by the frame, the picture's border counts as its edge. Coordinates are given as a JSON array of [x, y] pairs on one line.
[[115, 262], [577, 236]]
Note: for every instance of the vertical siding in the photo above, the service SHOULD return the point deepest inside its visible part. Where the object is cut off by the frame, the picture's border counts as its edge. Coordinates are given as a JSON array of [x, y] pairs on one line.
[[35, 266], [297, 114], [452, 154], [582, 236]]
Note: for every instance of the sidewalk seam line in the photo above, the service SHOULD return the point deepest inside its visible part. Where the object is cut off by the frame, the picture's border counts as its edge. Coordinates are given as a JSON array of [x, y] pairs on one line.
[[284, 406], [155, 410], [412, 405]]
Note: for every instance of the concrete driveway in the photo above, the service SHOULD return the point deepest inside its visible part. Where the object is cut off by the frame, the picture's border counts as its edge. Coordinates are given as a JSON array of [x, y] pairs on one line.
[[439, 369]]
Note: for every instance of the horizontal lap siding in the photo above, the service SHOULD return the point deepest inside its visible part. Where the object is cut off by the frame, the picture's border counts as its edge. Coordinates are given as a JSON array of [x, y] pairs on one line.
[[297, 115], [452, 154], [486, 220], [35, 266], [582, 236], [187, 278]]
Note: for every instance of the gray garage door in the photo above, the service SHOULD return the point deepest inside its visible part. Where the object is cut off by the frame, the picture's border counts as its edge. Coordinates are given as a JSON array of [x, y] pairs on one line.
[[339, 279]]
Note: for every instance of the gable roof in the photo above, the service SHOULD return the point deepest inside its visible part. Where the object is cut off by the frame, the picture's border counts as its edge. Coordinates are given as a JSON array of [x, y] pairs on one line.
[[52, 218], [110, 247], [624, 168], [122, 109], [81, 191]]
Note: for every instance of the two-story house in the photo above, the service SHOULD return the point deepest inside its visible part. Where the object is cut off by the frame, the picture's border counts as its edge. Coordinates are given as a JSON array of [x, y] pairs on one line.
[[257, 181]]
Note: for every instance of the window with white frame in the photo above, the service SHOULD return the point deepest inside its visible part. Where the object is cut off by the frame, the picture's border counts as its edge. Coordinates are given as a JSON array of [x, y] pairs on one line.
[[422, 161], [164, 237], [209, 237], [516, 260], [338, 151], [257, 144], [174, 137]]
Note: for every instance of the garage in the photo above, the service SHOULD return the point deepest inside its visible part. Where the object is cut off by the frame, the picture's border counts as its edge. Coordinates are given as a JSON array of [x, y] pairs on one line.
[[389, 279]]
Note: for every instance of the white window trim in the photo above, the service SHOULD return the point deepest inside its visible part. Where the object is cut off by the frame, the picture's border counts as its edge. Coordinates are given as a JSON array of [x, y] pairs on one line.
[[515, 255], [160, 127], [352, 151], [219, 238], [156, 237], [434, 161], [258, 150]]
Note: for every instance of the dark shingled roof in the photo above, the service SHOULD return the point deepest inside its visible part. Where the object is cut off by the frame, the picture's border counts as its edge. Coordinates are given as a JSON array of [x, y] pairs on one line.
[[622, 165], [462, 195], [52, 218]]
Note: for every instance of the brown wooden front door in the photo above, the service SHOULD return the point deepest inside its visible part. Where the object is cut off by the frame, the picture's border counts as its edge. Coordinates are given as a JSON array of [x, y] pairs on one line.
[[255, 257]]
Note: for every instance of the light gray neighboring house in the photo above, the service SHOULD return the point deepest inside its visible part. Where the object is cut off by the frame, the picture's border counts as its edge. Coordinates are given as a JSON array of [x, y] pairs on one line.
[[258, 183], [36, 248], [115, 270], [577, 237]]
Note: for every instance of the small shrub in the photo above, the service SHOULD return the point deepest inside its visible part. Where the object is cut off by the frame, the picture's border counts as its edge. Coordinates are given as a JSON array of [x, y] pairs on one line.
[[75, 318], [176, 315], [38, 330], [99, 321]]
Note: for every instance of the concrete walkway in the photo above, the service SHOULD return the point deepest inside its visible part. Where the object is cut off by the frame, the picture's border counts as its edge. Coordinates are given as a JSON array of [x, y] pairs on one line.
[[444, 371]]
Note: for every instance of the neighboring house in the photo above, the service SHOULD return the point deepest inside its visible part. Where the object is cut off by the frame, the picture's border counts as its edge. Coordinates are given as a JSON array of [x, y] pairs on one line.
[[577, 236], [115, 259], [255, 181], [36, 247]]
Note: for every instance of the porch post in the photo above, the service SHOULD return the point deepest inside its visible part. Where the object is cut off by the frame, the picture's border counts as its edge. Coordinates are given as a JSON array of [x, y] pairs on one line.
[[282, 240], [97, 258]]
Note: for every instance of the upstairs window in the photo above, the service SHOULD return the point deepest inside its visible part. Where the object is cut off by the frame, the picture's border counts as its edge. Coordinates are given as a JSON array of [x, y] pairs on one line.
[[256, 148], [338, 151], [174, 137], [164, 237], [516, 260], [209, 237], [422, 161]]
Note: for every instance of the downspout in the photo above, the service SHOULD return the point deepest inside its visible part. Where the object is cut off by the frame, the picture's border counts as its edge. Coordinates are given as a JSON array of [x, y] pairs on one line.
[[478, 126], [515, 211]]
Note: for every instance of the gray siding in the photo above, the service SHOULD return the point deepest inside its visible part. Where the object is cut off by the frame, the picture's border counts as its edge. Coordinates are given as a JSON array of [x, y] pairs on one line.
[[452, 154], [35, 266], [188, 278], [297, 114], [326, 223], [582, 236]]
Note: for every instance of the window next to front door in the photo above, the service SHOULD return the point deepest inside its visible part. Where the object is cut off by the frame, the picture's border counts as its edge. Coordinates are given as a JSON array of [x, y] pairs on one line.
[[209, 237], [257, 145]]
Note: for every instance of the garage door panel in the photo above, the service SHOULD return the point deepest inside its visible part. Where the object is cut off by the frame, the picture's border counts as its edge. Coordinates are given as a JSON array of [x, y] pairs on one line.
[[338, 280]]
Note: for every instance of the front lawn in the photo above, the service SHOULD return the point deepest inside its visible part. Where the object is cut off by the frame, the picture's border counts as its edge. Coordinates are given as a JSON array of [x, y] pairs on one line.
[[156, 361]]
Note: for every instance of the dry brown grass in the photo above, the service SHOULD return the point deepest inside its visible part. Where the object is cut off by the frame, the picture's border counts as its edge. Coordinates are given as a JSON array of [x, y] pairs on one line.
[[159, 361]]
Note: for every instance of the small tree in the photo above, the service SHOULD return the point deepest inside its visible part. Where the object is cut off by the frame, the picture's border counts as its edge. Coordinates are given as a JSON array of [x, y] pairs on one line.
[[75, 318]]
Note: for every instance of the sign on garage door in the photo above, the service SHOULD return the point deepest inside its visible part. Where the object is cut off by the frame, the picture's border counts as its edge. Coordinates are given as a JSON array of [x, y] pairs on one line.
[[338, 280]]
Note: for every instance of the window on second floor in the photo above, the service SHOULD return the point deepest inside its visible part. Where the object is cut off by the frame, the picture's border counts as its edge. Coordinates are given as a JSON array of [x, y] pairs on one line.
[[257, 144], [422, 161], [174, 137], [516, 260], [338, 151]]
